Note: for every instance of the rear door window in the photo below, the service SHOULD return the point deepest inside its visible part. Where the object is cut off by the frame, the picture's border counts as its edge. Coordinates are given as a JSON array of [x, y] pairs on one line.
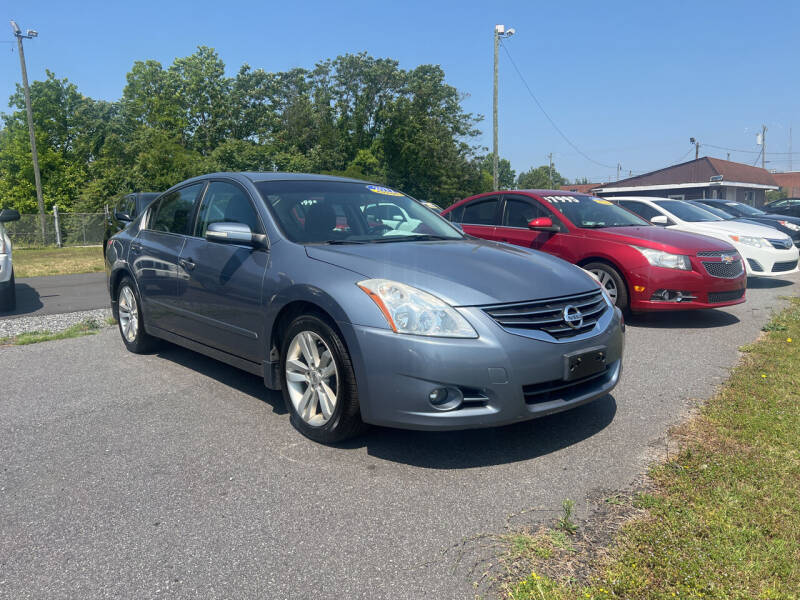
[[481, 212]]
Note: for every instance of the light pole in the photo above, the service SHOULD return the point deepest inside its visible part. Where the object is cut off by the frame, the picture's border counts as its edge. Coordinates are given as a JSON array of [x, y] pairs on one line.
[[500, 31], [30, 34]]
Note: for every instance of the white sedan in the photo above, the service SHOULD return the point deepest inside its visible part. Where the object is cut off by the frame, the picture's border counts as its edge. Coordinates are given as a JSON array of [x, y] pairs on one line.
[[767, 251], [8, 296]]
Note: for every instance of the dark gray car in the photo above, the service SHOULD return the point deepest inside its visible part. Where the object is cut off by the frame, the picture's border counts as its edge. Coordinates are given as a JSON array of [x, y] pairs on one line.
[[362, 305]]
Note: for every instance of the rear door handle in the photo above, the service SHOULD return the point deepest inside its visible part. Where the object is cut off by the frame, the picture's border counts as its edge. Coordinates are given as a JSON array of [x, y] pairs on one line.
[[187, 263]]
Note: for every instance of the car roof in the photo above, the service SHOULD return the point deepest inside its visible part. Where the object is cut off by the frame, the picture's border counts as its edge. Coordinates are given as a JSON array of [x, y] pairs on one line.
[[256, 177]]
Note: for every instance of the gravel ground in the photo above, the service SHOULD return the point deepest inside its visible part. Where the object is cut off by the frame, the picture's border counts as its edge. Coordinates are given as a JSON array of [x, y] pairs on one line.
[[58, 322]]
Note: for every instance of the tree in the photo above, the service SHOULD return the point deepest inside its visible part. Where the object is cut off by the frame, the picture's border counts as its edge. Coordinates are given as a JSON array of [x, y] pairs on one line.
[[505, 174], [540, 178]]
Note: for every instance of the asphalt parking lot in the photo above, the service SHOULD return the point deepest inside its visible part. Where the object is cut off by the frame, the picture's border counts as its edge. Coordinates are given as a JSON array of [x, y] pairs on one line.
[[174, 476]]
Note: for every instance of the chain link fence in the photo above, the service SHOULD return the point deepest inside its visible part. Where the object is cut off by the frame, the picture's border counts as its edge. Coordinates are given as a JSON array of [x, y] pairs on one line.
[[66, 229]]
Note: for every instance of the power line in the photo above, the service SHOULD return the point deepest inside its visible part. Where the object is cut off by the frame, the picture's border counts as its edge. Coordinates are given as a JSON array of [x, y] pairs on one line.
[[544, 112]]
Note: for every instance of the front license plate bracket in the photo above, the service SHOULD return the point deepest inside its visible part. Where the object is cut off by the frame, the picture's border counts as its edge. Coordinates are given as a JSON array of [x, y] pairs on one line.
[[585, 362]]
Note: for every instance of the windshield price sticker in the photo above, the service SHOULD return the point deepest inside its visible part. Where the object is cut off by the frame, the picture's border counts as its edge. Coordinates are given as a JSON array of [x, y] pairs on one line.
[[601, 201], [557, 199], [377, 189]]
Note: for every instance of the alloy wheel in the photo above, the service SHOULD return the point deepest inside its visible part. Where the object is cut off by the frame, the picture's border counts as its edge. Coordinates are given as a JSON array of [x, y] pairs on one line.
[[312, 378], [128, 314], [607, 281]]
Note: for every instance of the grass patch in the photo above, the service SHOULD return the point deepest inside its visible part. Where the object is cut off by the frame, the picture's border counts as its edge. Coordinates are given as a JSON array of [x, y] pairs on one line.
[[34, 262], [723, 517], [88, 327]]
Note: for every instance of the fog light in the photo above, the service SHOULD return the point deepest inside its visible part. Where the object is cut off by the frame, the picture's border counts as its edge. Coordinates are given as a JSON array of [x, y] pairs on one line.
[[445, 398]]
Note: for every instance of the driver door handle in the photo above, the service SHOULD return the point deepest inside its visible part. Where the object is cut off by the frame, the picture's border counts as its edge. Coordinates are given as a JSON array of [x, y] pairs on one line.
[[187, 263]]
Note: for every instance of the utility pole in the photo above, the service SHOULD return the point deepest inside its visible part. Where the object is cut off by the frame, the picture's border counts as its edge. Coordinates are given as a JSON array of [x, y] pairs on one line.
[[619, 167], [550, 169], [499, 32], [763, 146], [30, 34]]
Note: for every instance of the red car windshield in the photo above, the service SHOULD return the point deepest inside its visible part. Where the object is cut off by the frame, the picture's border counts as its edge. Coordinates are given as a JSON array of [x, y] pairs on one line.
[[591, 212]]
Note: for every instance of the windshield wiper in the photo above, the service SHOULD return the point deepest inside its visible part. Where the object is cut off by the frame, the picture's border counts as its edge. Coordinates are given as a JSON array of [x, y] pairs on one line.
[[421, 237], [341, 242]]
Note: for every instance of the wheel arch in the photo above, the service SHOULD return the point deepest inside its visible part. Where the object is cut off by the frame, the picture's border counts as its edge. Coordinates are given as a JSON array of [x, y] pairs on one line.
[[611, 263]]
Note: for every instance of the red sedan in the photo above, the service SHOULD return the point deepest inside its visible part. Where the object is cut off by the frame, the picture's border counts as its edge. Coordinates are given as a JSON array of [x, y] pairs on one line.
[[641, 266]]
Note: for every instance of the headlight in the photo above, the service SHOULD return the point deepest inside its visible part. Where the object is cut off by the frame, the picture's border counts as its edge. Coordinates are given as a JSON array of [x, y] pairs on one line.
[[751, 241], [788, 225], [659, 258], [412, 311]]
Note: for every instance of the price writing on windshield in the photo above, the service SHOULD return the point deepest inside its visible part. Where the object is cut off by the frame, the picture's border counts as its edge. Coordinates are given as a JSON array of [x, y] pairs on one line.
[[557, 199]]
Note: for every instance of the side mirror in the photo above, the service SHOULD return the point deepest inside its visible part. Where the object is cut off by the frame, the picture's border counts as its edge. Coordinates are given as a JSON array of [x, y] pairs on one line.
[[9, 214], [659, 220], [122, 216], [235, 233], [542, 224]]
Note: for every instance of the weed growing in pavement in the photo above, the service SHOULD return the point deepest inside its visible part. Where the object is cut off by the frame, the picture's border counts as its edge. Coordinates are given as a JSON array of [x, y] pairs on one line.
[[88, 327], [565, 523]]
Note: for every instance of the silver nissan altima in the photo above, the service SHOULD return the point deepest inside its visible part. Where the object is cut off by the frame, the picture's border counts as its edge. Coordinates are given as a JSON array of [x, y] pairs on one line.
[[361, 305]]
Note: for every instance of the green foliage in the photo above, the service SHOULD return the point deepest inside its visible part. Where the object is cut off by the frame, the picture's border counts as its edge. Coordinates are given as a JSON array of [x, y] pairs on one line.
[[354, 115], [773, 195], [505, 174], [540, 178]]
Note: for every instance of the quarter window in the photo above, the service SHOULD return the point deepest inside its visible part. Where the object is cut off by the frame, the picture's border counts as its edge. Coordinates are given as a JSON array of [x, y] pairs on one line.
[[480, 212], [226, 203], [174, 211]]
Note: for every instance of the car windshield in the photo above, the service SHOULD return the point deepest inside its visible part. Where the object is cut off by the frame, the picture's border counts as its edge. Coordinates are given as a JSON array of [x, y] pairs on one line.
[[590, 212], [340, 212], [686, 212], [749, 211], [716, 210]]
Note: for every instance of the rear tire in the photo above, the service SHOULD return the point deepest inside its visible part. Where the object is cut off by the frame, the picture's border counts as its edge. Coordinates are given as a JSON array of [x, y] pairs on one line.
[[131, 320], [8, 297], [612, 281], [319, 385]]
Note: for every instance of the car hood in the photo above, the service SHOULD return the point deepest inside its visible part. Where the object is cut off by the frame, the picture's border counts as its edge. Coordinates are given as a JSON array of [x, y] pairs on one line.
[[462, 272], [668, 240], [737, 228]]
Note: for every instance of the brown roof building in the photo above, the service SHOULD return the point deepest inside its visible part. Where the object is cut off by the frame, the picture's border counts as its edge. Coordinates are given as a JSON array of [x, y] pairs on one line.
[[582, 188], [789, 182], [701, 178]]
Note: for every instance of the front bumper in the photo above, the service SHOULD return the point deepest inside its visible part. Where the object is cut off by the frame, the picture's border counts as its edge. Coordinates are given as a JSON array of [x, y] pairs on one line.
[[769, 262], [708, 291], [504, 377]]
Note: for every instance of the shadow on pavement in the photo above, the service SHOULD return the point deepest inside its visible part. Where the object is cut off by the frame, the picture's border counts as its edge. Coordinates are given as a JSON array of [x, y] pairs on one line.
[[767, 283], [486, 447], [28, 301], [432, 449], [249, 384], [689, 319]]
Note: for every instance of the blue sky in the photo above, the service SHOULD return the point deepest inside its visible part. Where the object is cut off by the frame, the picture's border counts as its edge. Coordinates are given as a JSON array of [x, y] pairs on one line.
[[627, 82]]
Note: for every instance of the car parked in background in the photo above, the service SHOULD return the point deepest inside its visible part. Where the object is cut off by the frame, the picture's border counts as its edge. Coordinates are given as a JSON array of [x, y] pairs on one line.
[[641, 267], [8, 294], [126, 210], [786, 224], [784, 206], [767, 251], [358, 319]]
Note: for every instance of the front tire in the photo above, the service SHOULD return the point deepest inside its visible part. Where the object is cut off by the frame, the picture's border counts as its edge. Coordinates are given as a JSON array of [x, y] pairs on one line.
[[131, 321], [612, 281], [8, 297], [318, 382]]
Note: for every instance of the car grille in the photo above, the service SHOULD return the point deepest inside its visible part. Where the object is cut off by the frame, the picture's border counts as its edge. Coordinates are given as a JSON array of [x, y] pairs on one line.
[[714, 253], [548, 315], [714, 297], [780, 244], [724, 270], [558, 389], [787, 265]]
